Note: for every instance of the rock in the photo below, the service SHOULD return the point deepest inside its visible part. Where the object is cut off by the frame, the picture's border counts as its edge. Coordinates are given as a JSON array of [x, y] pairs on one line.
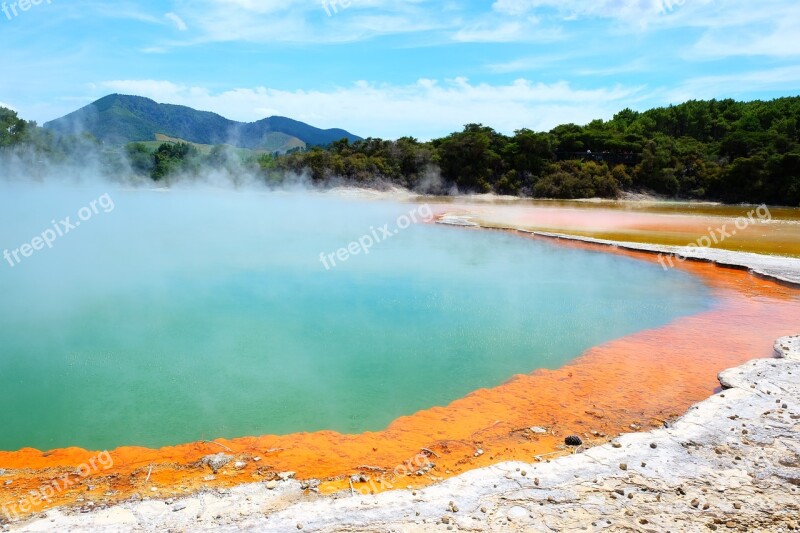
[[178, 507], [311, 484], [538, 430], [616, 444], [272, 485], [623, 466], [216, 461], [573, 440], [285, 476], [517, 512], [653, 445], [239, 465]]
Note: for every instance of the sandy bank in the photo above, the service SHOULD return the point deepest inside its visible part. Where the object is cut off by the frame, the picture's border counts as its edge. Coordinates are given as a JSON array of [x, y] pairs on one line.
[[731, 463]]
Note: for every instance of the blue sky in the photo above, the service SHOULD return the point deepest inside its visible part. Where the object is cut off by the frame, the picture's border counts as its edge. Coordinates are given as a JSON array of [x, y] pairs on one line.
[[392, 68]]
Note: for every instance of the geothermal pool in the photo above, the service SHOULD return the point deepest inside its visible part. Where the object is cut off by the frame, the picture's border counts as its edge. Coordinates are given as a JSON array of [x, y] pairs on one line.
[[196, 314]]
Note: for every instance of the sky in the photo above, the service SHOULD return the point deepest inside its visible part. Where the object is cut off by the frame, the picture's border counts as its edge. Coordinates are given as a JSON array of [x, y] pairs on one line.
[[391, 68]]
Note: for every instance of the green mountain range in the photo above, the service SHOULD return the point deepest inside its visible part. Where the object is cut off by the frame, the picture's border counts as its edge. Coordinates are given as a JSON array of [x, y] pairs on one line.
[[120, 119]]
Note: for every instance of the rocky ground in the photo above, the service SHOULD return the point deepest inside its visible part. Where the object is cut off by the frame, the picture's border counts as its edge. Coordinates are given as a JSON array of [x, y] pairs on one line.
[[785, 269], [731, 463]]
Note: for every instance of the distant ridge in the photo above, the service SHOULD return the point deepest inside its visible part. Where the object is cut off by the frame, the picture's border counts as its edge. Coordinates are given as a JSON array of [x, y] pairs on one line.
[[120, 119]]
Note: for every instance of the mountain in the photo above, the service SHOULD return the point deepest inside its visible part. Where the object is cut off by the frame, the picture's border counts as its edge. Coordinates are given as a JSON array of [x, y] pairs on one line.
[[119, 119]]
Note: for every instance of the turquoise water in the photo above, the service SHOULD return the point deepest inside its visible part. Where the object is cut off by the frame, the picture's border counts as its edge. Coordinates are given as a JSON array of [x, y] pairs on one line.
[[198, 314]]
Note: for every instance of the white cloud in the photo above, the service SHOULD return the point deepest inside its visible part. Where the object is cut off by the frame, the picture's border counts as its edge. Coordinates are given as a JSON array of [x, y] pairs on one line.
[[7, 106], [425, 109], [528, 63], [175, 19], [302, 21], [777, 38], [778, 79], [640, 11], [516, 31]]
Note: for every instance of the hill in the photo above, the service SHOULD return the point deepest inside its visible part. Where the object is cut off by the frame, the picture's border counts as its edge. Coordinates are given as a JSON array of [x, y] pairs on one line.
[[120, 119]]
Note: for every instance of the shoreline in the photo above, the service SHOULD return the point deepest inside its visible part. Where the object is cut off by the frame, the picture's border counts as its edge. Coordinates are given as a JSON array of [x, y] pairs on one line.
[[783, 269], [227, 484], [730, 463]]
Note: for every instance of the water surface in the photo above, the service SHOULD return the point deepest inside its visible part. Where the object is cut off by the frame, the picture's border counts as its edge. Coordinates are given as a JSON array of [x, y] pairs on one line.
[[197, 314]]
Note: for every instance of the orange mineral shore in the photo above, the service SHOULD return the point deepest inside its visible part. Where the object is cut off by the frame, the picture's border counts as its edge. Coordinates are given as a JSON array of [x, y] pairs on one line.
[[637, 382]]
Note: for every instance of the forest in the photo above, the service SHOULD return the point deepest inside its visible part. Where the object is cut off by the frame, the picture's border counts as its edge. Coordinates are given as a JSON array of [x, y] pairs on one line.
[[720, 150]]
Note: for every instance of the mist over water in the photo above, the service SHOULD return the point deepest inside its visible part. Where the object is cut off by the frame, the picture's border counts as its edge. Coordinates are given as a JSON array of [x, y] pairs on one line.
[[200, 312]]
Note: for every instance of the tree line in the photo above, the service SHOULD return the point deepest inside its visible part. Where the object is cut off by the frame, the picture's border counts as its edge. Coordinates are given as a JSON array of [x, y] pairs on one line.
[[720, 150]]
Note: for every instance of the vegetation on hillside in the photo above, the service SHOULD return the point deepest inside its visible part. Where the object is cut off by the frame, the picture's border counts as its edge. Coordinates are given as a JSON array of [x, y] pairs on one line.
[[117, 120], [710, 150]]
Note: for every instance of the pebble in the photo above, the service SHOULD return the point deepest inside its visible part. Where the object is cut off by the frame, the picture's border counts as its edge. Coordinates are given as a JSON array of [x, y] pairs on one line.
[[623, 466], [653, 445], [616, 444], [272, 485], [178, 507], [216, 461]]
